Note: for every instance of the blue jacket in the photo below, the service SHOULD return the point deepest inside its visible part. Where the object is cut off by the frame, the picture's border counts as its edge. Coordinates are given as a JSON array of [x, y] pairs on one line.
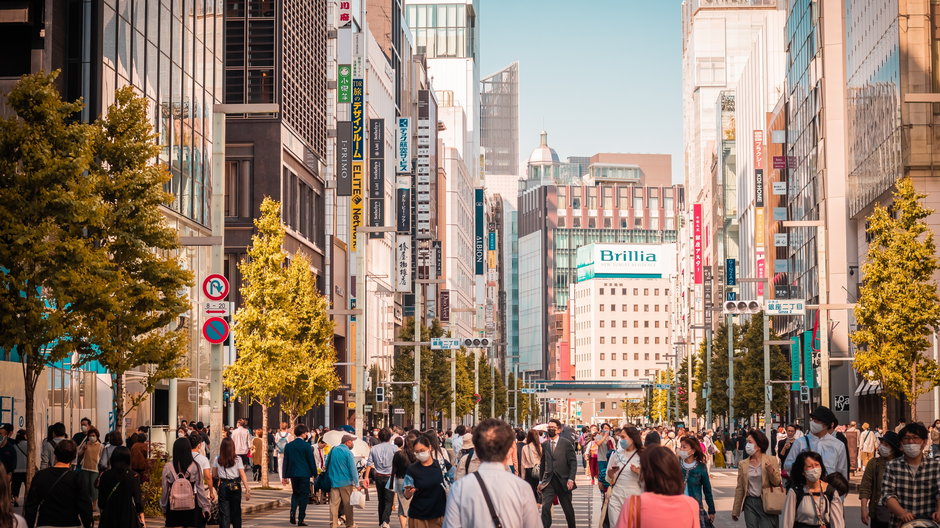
[[698, 484], [341, 467], [298, 460]]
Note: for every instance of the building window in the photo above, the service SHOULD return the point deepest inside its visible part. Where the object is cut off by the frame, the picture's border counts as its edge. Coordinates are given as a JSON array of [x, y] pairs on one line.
[[646, 356], [601, 308], [657, 355], [601, 291], [657, 342], [636, 372], [646, 291], [636, 356], [656, 291], [646, 341], [667, 340], [636, 340], [667, 291], [636, 291], [625, 373], [623, 291], [613, 341], [613, 307], [602, 403], [602, 342], [238, 188], [624, 307], [602, 375], [623, 323], [636, 307], [602, 324], [646, 307], [613, 405], [636, 324], [602, 354], [646, 324]]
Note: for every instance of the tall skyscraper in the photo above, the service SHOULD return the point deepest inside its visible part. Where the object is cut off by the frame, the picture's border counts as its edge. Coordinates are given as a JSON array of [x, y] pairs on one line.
[[499, 121]]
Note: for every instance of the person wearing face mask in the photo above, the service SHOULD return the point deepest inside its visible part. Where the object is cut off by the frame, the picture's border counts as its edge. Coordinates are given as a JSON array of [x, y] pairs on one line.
[[912, 482], [810, 500], [79, 437], [870, 489], [425, 487], [935, 439], [695, 474], [758, 472], [623, 471], [559, 469], [88, 454], [820, 440], [605, 445]]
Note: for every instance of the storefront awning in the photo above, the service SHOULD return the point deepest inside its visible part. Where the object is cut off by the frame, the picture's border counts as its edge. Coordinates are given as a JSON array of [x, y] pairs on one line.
[[868, 388]]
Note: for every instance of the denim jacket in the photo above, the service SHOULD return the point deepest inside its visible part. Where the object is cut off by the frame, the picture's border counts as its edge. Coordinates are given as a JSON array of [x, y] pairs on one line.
[[697, 484]]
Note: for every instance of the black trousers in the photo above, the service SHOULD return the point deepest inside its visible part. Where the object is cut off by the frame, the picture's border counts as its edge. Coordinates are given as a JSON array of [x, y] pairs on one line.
[[559, 489], [386, 498], [299, 496]]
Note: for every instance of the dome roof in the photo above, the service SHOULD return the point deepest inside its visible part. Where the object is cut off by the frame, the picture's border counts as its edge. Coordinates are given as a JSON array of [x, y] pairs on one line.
[[543, 153]]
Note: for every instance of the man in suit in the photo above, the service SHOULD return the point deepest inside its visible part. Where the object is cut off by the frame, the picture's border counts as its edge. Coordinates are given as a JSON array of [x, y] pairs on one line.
[[559, 468], [299, 467]]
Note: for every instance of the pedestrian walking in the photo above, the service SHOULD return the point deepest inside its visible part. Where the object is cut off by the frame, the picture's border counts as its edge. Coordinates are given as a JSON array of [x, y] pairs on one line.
[[810, 500], [852, 442], [84, 426], [761, 472], [559, 469], [400, 464], [320, 494], [379, 466], [426, 487], [19, 474], [8, 518], [242, 438], [233, 483], [183, 499], [870, 490], [280, 441], [7, 450], [113, 440], [491, 494], [605, 445], [911, 488], [822, 441], [867, 445], [623, 471], [257, 453], [935, 439], [89, 453], [532, 462], [140, 457], [344, 479], [298, 467], [662, 502], [695, 474], [205, 468], [57, 495], [119, 499], [47, 455]]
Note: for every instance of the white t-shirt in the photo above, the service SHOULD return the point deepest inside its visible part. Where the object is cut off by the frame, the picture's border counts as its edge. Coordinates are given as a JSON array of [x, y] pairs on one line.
[[230, 472], [201, 460]]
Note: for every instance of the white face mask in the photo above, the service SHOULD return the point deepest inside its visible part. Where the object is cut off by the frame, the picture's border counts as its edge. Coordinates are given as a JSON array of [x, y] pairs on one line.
[[749, 448], [812, 475], [423, 456], [912, 450], [683, 454], [816, 427], [885, 451]]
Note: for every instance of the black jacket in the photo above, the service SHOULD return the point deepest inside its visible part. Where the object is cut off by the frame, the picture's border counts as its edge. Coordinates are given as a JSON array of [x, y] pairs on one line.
[[119, 499], [560, 465], [59, 497]]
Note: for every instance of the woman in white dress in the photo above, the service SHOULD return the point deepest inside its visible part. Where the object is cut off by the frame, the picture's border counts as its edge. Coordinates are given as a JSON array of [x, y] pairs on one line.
[[623, 471]]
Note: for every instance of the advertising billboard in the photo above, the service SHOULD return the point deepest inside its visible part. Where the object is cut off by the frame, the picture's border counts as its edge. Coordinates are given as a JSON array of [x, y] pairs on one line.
[[634, 261]]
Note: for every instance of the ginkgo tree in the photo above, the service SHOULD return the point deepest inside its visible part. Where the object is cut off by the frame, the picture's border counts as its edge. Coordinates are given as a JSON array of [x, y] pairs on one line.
[[898, 308]]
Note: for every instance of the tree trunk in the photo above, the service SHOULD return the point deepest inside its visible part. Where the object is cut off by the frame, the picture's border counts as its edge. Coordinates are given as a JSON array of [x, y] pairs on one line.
[[884, 412], [293, 420], [118, 394], [35, 440], [264, 446], [914, 391]]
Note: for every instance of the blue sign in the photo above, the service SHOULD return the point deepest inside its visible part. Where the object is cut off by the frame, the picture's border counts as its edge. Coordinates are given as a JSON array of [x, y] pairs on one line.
[[479, 258], [731, 273], [795, 362], [732, 296], [492, 241], [809, 374]]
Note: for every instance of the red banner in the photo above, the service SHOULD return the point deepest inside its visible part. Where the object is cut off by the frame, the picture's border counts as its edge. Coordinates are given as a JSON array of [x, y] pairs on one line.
[[697, 241]]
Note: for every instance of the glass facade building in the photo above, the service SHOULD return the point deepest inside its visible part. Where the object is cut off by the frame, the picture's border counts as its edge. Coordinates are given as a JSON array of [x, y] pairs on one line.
[[443, 30], [499, 121]]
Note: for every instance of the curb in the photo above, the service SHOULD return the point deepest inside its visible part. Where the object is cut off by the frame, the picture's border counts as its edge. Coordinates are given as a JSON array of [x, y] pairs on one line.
[[265, 506]]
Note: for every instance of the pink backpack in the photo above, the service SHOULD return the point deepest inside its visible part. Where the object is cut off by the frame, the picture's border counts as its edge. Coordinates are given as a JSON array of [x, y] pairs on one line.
[[182, 494]]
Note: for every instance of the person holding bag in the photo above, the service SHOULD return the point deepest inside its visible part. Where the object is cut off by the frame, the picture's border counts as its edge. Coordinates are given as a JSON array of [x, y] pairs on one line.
[[695, 474], [663, 503], [119, 498], [184, 500], [623, 472], [230, 470], [759, 491], [810, 500], [531, 462]]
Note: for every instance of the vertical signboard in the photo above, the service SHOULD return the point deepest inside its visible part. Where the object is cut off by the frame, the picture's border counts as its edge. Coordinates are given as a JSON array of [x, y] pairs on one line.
[[343, 158], [445, 306], [356, 199], [404, 145], [759, 220], [438, 258], [809, 374], [707, 294], [423, 169], [343, 13], [344, 83], [358, 120], [376, 175], [795, 363], [731, 272], [403, 263], [697, 241], [403, 210], [356, 205], [478, 253]]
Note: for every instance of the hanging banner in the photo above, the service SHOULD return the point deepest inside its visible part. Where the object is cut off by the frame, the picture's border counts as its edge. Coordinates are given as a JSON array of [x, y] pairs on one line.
[[478, 242], [759, 215], [403, 210], [343, 13], [376, 138], [343, 158], [438, 258], [445, 306], [358, 117], [404, 145], [697, 241], [355, 205], [795, 363], [344, 83], [403, 263]]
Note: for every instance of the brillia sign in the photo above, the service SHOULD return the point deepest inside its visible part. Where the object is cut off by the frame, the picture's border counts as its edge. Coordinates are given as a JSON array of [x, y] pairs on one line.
[[627, 256]]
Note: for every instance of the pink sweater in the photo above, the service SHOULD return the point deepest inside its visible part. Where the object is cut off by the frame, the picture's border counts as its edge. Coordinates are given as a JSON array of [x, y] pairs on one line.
[[658, 511]]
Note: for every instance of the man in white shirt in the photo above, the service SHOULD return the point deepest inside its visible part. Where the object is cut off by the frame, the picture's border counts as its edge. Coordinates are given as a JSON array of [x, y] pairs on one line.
[[491, 491], [195, 441], [458, 440], [867, 445], [822, 441], [242, 438]]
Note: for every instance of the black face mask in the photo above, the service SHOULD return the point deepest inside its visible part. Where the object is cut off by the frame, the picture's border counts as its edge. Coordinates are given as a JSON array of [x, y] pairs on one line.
[[552, 433]]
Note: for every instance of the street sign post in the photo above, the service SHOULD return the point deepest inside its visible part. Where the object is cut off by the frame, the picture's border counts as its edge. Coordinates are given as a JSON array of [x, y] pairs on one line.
[[445, 343], [215, 287], [785, 307], [217, 308], [527, 390], [215, 330]]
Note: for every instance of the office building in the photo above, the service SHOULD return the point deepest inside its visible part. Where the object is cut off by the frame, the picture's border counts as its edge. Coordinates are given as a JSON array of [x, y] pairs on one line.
[[499, 121]]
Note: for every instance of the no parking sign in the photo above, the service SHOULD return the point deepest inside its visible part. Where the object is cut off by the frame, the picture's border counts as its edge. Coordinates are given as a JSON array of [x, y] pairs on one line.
[[215, 330]]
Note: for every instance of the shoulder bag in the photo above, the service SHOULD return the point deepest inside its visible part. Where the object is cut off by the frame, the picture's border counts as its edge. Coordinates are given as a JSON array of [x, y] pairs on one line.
[[772, 497], [537, 467], [489, 502], [610, 491]]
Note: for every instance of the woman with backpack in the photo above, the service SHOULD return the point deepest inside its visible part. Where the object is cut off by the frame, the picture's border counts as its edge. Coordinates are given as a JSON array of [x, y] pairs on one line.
[[119, 498], [281, 439], [810, 500], [230, 471], [184, 500]]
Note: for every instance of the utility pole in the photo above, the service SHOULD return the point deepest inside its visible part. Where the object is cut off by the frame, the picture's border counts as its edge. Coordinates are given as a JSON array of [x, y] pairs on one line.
[[731, 371], [708, 376], [768, 388]]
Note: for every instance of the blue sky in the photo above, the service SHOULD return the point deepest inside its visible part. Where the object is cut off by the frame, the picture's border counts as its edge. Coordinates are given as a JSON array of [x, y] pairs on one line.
[[598, 75]]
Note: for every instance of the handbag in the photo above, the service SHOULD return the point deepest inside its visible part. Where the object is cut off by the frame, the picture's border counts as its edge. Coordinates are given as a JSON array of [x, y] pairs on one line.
[[537, 469], [703, 520], [772, 499]]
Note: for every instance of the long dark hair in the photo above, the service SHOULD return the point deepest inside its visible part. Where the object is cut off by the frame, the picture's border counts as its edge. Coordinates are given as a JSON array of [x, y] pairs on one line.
[[696, 446], [634, 435], [532, 437], [798, 471], [182, 455], [120, 459], [6, 501], [660, 472], [227, 453]]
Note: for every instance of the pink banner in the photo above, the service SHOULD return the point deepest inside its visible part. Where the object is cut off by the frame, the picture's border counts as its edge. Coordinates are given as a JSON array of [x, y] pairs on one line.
[[697, 241]]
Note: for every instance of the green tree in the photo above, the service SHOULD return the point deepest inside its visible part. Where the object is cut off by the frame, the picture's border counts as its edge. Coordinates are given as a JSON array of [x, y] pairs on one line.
[[660, 401], [898, 307], [264, 325], [137, 326], [47, 261], [683, 376], [719, 373], [311, 374], [749, 371], [435, 372]]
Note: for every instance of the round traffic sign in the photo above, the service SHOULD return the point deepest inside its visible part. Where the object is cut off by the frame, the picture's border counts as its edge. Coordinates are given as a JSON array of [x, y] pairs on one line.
[[215, 330], [215, 287]]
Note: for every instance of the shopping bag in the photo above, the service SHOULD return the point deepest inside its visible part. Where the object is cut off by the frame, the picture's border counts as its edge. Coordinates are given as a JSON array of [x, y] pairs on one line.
[[357, 499]]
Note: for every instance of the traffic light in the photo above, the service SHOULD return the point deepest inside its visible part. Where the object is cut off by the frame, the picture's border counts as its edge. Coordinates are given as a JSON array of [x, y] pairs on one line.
[[741, 307], [379, 394], [804, 393], [476, 342]]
